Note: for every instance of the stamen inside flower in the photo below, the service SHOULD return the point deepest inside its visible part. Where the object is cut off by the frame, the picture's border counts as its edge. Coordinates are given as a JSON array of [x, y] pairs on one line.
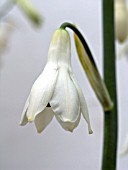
[[48, 105]]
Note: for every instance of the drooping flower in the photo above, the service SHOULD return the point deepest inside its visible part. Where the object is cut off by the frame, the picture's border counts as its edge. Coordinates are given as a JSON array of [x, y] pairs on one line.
[[56, 87]]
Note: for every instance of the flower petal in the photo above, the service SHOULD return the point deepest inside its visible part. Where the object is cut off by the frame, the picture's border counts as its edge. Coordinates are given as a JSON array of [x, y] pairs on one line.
[[24, 119], [68, 125], [60, 48], [65, 100], [83, 105], [43, 119], [42, 91]]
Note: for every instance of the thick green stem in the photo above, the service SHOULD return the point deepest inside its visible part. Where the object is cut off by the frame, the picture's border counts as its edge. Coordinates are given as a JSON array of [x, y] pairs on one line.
[[110, 117]]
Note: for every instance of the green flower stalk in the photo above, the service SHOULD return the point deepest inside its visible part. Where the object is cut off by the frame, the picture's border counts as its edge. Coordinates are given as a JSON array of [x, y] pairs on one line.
[[110, 117], [30, 11]]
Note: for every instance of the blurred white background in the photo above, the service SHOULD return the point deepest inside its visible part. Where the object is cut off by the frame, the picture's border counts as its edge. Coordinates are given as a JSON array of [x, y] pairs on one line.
[[21, 148]]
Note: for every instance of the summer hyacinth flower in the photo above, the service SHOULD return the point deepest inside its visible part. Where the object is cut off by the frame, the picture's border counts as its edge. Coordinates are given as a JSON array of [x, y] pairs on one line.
[[56, 87]]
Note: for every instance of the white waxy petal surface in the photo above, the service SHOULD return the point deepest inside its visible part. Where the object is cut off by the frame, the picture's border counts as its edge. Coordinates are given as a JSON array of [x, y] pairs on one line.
[[68, 125], [65, 100], [83, 105], [42, 91], [43, 119], [24, 119], [60, 48]]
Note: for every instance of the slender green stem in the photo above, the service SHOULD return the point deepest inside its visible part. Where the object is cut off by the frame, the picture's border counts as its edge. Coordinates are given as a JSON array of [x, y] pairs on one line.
[[110, 117]]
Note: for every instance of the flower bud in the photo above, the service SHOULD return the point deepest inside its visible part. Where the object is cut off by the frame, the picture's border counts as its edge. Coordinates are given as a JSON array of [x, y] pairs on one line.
[[93, 75], [121, 21]]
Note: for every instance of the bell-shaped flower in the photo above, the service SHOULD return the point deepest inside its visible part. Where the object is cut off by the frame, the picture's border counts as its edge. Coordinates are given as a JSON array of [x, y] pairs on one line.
[[56, 87], [121, 20]]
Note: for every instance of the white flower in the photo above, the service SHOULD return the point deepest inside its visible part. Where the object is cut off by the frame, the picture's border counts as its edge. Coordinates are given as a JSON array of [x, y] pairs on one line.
[[56, 86]]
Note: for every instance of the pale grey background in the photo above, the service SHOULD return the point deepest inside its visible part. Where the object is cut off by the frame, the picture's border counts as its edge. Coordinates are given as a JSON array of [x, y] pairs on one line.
[[21, 148]]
